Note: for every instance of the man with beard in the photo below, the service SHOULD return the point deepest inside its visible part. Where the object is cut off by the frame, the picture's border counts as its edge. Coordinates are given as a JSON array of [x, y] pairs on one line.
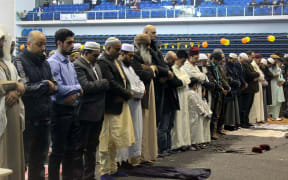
[[11, 137], [91, 108], [132, 153], [40, 85], [117, 130], [143, 67], [163, 74], [247, 94], [64, 127], [221, 88]]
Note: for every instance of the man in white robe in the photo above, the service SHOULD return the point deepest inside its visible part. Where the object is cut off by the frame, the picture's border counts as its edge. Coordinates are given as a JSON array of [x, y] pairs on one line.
[[133, 152], [11, 118], [181, 131], [257, 110], [192, 69], [276, 87]]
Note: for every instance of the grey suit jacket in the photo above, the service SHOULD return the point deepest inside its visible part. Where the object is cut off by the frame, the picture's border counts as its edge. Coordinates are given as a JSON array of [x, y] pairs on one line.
[[92, 103]]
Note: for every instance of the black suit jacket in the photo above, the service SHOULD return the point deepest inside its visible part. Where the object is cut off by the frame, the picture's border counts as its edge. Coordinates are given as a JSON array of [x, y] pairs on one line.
[[250, 74], [92, 103], [117, 92]]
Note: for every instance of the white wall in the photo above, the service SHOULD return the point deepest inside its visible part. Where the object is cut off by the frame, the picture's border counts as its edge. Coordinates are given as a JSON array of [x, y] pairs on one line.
[[22, 5], [7, 15], [172, 29]]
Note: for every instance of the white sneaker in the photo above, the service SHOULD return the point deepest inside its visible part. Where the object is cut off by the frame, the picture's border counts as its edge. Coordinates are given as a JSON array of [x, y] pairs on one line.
[[278, 119]]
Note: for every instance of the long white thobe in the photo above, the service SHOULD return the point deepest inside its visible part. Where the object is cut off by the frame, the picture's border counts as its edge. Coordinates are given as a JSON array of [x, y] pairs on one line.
[[180, 133], [257, 110], [199, 111], [138, 87]]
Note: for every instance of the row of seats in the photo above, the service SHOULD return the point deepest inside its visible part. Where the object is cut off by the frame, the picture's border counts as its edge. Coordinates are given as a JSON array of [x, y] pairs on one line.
[[25, 32], [258, 42]]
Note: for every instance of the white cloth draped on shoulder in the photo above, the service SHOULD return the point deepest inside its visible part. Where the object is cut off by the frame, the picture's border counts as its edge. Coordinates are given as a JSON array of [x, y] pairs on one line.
[[257, 110], [138, 88]]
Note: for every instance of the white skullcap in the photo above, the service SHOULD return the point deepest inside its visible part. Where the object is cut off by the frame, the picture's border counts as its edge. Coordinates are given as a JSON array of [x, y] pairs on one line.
[[243, 56], [203, 56], [91, 45], [77, 46], [271, 60], [264, 61], [233, 55], [127, 47], [111, 41]]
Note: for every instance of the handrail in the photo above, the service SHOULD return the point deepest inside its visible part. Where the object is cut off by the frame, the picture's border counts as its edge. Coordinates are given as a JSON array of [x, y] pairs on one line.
[[167, 12]]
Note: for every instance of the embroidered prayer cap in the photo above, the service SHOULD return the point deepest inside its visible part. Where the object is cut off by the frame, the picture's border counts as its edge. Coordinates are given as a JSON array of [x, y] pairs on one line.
[[194, 51], [271, 60], [243, 56], [233, 56], [203, 56], [258, 56], [264, 61], [127, 47], [112, 40], [91, 45]]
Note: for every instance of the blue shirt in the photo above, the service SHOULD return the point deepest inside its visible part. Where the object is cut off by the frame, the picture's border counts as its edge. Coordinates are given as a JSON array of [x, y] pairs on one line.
[[65, 75]]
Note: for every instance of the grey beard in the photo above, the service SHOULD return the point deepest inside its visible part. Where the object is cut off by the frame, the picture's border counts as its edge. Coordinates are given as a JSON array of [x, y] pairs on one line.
[[145, 54]]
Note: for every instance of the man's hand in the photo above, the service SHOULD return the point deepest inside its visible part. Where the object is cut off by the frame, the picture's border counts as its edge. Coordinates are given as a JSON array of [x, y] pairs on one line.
[[154, 68], [256, 79], [280, 83], [51, 87], [246, 85], [70, 99], [225, 92], [276, 75], [11, 98], [81, 92], [20, 87], [170, 75]]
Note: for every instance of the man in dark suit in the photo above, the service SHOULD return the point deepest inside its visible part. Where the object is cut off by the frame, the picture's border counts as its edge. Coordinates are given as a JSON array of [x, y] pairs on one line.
[[117, 130], [91, 107], [247, 94]]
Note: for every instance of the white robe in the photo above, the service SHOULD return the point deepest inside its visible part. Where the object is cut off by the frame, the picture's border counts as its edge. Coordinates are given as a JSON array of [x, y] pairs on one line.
[[199, 111], [137, 86], [257, 110], [194, 71], [180, 133], [277, 91]]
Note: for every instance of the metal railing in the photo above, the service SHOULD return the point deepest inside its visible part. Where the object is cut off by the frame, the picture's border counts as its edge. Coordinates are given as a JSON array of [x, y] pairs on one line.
[[165, 12]]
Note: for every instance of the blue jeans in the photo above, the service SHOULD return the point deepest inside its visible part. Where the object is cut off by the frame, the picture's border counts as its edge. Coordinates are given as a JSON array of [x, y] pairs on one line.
[[164, 131]]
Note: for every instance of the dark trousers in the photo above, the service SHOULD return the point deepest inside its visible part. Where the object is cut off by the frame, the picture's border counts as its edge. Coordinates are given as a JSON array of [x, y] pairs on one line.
[[221, 121], [217, 107], [165, 126], [89, 140], [245, 104], [36, 145], [65, 133]]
